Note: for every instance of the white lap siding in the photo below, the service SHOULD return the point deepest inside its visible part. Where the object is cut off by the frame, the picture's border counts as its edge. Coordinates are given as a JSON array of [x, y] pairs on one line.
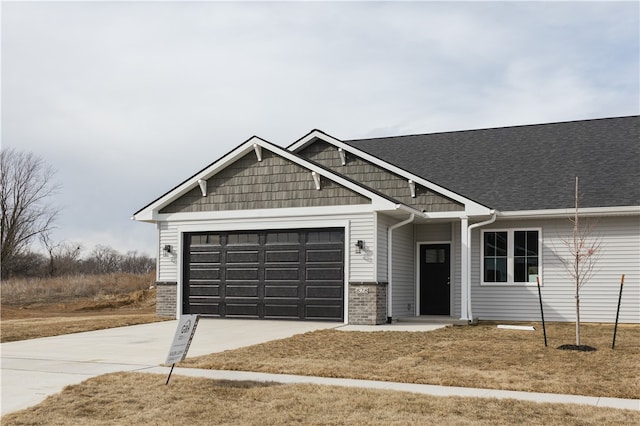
[[620, 254], [403, 270], [168, 262]]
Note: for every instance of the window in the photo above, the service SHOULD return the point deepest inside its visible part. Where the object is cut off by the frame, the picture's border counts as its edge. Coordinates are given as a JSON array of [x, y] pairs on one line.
[[511, 256]]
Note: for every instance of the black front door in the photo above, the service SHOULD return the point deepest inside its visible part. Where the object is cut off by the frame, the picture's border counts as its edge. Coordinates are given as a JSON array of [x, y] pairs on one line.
[[435, 275]]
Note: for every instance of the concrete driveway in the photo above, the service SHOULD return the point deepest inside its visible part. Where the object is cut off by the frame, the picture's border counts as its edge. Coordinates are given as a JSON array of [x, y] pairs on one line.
[[31, 370]]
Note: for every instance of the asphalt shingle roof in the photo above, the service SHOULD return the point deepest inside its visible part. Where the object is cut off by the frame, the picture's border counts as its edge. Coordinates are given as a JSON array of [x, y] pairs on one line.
[[526, 167]]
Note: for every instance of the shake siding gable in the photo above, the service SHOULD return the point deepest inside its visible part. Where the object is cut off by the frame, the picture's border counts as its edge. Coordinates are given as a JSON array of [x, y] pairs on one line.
[[378, 178], [274, 182]]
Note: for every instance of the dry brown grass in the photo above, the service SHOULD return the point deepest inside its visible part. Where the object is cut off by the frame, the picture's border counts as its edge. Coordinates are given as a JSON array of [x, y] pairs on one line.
[[482, 356], [27, 291], [42, 308], [137, 399]]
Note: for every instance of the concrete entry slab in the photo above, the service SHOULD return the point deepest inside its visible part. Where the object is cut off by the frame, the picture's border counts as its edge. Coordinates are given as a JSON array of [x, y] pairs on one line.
[[33, 369]]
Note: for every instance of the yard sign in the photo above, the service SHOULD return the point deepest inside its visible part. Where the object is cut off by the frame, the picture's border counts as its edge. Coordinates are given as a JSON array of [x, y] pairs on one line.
[[181, 341]]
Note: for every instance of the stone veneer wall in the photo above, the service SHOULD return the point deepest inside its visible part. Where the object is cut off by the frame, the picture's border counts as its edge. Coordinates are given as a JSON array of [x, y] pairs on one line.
[[367, 303], [166, 299]]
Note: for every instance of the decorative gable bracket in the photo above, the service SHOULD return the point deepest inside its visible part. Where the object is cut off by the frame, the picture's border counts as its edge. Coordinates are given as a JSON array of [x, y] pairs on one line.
[[412, 188], [343, 156], [258, 149], [316, 179], [203, 187]]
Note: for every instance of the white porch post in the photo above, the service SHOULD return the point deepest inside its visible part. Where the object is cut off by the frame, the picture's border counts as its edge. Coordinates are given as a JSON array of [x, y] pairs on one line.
[[464, 269]]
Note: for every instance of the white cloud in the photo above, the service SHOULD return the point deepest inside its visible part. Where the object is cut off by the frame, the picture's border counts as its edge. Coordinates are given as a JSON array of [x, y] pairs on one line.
[[127, 99]]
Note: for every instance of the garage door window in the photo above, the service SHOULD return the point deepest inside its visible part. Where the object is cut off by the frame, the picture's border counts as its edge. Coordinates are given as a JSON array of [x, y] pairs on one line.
[[282, 238], [242, 239]]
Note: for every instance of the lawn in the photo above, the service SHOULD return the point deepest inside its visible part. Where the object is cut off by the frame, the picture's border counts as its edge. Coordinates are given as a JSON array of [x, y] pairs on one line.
[[138, 399], [481, 356]]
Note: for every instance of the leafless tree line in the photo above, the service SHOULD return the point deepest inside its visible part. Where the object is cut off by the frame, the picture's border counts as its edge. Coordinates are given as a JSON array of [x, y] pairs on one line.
[[27, 187], [67, 259]]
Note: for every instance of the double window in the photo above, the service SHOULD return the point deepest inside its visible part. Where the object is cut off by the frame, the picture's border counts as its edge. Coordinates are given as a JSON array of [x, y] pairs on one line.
[[511, 256]]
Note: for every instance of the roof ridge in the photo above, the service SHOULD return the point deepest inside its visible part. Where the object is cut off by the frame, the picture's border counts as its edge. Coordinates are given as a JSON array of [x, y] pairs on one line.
[[490, 128]]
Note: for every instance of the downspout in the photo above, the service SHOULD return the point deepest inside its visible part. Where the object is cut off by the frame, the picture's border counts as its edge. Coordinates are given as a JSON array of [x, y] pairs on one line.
[[390, 263], [469, 229]]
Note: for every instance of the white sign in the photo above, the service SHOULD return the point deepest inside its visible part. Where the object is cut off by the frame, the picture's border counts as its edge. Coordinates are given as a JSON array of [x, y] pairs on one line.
[[181, 341]]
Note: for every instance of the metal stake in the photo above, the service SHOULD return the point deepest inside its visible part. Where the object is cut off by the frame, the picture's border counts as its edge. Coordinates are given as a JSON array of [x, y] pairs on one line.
[[615, 329]]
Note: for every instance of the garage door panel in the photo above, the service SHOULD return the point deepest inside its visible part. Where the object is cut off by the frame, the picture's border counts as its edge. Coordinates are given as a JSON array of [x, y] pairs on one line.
[[323, 256], [245, 256], [242, 274], [323, 292], [205, 308], [276, 311], [322, 312], [283, 256], [242, 291], [282, 274], [324, 274], [204, 290], [202, 273], [242, 310], [288, 274], [281, 291]]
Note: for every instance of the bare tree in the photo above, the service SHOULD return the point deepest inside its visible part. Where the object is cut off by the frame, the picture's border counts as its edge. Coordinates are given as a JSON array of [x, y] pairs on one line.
[[26, 186], [64, 257], [584, 251]]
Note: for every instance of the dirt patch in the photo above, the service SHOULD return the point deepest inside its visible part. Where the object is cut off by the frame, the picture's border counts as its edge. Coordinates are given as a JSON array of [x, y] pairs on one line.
[[36, 320]]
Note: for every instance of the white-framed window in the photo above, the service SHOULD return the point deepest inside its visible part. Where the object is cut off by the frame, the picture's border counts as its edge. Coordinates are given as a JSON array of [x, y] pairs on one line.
[[511, 256]]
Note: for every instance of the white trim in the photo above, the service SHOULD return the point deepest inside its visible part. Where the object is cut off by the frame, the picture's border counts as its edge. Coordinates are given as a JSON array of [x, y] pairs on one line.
[[465, 275], [347, 270], [294, 213], [471, 207], [510, 257], [419, 265], [210, 227], [562, 213]]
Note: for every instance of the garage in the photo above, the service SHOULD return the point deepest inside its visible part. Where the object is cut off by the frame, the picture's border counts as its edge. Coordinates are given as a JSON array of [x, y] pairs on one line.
[[295, 274]]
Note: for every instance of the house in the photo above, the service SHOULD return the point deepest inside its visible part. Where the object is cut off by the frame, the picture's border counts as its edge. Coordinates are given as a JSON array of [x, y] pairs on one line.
[[459, 224]]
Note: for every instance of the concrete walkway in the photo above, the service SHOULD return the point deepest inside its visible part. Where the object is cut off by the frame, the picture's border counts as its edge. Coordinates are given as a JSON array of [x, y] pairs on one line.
[[31, 370]]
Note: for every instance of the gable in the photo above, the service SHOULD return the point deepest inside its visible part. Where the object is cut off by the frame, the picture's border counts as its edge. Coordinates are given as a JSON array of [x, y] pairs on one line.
[[378, 178], [273, 182]]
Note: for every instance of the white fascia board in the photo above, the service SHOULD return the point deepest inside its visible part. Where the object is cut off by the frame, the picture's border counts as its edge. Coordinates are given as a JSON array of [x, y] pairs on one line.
[[471, 207], [264, 214], [563, 213], [150, 213]]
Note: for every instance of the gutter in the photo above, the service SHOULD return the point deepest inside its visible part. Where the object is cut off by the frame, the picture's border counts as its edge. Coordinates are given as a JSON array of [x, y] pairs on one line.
[[469, 229], [390, 263]]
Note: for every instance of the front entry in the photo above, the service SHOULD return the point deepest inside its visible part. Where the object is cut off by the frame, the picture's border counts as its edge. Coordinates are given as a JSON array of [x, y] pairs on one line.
[[435, 277]]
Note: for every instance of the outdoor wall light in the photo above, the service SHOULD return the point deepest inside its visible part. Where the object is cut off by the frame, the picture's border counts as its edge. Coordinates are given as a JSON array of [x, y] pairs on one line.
[[359, 246], [166, 249]]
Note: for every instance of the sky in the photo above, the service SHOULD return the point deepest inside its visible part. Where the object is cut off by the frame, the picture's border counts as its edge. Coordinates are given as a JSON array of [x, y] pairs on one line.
[[128, 99]]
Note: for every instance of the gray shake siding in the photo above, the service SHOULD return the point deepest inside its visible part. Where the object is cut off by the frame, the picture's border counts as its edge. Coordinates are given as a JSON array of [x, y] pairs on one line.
[[274, 182], [378, 178]]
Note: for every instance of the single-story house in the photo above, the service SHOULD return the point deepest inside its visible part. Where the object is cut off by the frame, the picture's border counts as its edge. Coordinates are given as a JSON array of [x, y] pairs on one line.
[[459, 224]]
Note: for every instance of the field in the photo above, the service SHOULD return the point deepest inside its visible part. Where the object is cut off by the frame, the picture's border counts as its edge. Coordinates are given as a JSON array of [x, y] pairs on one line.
[[49, 307], [480, 356]]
